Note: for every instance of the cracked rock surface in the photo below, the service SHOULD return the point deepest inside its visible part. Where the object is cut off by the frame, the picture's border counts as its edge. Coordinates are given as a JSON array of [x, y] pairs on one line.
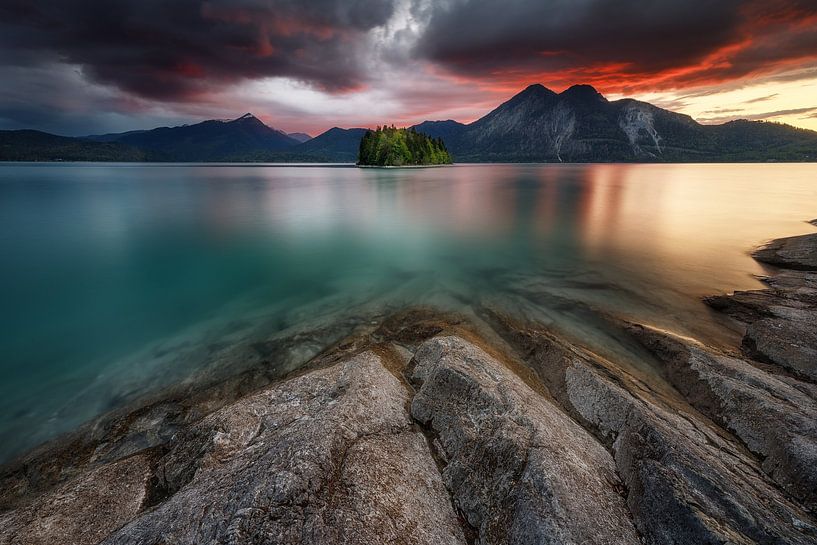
[[83, 510], [687, 482], [774, 416], [328, 457], [519, 468]]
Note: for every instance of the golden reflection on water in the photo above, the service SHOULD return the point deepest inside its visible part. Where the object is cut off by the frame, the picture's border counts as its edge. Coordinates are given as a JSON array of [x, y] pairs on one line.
[[696, 223], [104, 259], [669, 234]]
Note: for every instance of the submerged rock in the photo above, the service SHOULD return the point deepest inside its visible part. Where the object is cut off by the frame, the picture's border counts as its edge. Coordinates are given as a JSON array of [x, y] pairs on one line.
[[416, 429]]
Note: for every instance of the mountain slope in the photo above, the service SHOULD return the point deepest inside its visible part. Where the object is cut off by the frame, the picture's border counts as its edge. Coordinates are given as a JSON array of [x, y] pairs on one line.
[[580, 125], [236, 140], [299, 136], [440, 129], [335, 145], [28, 145]]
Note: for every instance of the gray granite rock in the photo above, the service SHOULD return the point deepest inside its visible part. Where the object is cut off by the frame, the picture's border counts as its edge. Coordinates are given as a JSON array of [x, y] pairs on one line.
[[331, 456], [791, 344], [798, 252], [328, 457], [520, 470], [82, 511], [781, 321], [687, 482], [775, 416], [526, 439]]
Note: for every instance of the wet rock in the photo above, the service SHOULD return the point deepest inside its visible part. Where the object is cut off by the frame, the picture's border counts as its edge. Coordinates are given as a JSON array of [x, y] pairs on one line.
[[798, 252], [531, 438], [781, 321], [331, 456], [791, 344], [687, 482], [775, 416], [84, 510], [327, 457], [520, 470]]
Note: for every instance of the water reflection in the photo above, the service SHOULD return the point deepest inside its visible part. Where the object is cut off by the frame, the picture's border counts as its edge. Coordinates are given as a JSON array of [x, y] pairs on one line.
[[100, 261]]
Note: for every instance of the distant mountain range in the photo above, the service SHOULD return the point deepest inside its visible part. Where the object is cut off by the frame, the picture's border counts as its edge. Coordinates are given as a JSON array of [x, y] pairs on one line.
[[537, 125]]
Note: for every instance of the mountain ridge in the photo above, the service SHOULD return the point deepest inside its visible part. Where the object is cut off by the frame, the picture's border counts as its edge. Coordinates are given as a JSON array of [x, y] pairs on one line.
[[535, 125]]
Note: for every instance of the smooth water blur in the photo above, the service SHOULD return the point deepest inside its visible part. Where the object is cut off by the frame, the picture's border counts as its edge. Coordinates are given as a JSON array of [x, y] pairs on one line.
[[101, 262]]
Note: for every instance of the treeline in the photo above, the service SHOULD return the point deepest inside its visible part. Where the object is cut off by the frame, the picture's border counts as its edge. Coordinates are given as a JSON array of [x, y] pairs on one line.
[[389, 146]]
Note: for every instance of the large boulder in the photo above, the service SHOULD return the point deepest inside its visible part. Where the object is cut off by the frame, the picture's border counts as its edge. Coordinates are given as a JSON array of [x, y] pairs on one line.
[[330, 456], [519, 469]]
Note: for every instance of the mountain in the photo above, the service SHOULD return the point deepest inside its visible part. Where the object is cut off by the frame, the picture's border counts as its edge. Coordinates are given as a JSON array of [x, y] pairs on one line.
[[536, 125], [28, 145], [110, 137], [440, 129], [239, 139], [335, 145], [299, 136], [580, 125]]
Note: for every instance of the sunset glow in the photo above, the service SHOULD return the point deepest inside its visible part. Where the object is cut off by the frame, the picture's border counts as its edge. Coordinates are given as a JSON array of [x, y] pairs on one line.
[[74, 69]]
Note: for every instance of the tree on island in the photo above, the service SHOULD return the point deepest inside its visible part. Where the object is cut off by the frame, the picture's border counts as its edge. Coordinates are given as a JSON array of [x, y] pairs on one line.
[[389, 146]]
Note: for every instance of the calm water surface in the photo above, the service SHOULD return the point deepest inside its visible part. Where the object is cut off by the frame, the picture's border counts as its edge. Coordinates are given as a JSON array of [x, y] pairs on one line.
[[110, 272]]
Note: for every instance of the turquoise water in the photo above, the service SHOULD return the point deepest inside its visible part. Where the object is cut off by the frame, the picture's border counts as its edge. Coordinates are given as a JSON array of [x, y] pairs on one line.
[[115, 278]]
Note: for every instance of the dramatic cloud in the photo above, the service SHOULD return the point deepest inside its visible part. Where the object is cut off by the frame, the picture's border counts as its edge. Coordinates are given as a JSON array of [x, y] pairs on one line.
[[619, 45], [758, 116], [167, 50], [80, 66]]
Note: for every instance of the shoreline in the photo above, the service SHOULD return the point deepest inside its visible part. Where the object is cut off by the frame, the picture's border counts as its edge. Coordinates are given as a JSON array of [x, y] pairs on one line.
[[473, 419], [402, 166], [353, 164]]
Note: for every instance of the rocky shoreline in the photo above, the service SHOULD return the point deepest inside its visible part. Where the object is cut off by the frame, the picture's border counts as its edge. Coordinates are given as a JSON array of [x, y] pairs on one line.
[[433, 427]]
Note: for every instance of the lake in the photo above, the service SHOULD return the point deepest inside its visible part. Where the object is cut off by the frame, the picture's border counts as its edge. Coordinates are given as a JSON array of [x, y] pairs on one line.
[[119, 279]]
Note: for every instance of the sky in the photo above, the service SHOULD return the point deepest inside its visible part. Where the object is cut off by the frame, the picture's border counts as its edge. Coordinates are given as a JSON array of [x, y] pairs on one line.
[[77, 67]]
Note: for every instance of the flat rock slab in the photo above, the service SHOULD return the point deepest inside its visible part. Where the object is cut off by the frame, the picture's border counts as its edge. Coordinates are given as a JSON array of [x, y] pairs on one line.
[[520, 470], [798, 252], [287, 466]]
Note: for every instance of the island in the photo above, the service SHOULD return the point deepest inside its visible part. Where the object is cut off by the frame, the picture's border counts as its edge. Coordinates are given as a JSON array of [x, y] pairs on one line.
[[393, 147]]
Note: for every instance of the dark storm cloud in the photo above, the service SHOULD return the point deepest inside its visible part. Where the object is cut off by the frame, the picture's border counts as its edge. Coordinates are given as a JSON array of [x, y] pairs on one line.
[[685, 41], [480, 34], [174, 49]]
